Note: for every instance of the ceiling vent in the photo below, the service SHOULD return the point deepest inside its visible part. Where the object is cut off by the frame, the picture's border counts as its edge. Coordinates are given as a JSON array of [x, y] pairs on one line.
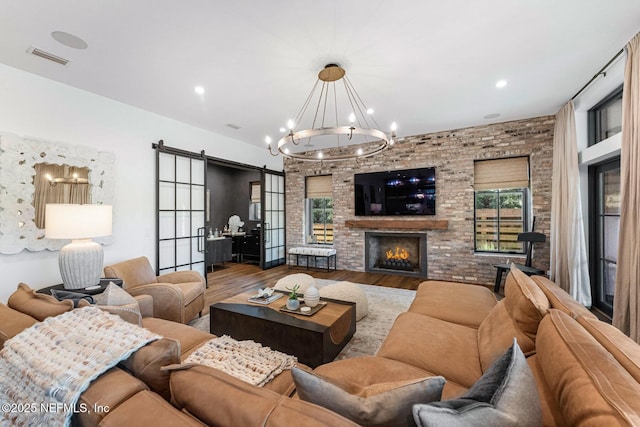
[[232, 126], [46, 55]]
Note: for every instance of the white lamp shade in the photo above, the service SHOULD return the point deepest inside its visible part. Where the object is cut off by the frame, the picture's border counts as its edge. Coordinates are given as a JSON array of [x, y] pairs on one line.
[[66, 221]]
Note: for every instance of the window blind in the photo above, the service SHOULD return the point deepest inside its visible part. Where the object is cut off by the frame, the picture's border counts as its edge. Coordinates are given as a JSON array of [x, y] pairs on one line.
[[498, 174], [318, 187], [255, 192]]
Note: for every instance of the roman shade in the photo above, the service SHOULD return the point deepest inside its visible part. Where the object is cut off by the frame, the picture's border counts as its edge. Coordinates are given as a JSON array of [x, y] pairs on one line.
[[497, 174], [318, 187], [255, 192]]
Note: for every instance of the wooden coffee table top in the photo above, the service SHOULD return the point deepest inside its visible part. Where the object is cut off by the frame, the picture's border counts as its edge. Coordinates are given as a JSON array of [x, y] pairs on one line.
[[327, 316]]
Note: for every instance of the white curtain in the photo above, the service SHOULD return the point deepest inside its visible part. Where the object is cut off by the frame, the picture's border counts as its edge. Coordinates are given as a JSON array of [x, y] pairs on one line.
[[626, 303], [569, 265]]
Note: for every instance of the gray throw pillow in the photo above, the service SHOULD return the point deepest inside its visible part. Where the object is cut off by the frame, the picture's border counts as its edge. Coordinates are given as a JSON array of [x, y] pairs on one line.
[[116, 300], [506, 395], [62, 295], [114, 295], [385, 404]]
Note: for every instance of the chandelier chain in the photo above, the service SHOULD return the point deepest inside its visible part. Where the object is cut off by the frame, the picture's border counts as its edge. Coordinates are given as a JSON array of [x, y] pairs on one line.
[[358, 112], [361, 102]]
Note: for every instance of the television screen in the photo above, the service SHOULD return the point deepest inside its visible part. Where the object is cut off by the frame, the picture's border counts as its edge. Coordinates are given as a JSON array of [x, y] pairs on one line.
[[401, 192]]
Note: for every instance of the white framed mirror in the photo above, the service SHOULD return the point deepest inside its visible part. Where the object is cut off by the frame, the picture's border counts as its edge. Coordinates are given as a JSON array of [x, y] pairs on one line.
[[18, 159]]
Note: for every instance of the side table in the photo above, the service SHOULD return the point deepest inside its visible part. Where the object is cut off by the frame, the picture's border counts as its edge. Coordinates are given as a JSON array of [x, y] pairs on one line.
[[103, 285], [503, 268]]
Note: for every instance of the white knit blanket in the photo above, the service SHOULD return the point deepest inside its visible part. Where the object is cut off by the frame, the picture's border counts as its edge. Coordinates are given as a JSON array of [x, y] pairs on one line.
[[247, 360], [45, 368]]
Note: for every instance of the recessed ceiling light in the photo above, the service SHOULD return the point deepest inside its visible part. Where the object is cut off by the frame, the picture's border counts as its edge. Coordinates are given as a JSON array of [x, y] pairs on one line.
[[501, 83], [69, 40], [492, 116], [199, 90]]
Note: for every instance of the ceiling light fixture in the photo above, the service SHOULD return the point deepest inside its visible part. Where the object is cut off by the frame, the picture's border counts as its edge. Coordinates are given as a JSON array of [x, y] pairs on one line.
[[199, 90], [325, 123], [501, 83]]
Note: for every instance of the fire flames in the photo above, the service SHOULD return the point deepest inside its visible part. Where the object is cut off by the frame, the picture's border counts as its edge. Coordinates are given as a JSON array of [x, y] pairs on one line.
[[399, 254]]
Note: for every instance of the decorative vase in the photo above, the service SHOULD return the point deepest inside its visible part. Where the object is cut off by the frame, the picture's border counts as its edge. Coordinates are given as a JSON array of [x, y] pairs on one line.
[[311, 296], [293, 304]]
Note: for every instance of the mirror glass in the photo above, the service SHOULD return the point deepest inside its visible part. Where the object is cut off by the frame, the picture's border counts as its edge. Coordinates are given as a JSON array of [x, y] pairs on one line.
[[58, 184], [25, 164]]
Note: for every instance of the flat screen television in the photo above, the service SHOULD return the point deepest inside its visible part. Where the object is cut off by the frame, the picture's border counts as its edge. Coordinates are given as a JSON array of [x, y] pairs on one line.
[[400, 192]]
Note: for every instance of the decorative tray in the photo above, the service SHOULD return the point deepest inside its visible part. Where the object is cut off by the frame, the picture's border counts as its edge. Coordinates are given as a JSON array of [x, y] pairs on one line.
[[313, 311]]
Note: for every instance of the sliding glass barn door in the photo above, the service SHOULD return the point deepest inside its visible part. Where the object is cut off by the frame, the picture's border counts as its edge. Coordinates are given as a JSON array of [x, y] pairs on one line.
[[273, 220], [180, 204]]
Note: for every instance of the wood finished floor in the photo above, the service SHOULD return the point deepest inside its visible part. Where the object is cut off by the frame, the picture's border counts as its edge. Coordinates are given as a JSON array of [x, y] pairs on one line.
[[232, 279]]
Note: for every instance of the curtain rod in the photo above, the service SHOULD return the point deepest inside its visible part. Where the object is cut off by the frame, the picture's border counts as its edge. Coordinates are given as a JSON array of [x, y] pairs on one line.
[[602, 71]]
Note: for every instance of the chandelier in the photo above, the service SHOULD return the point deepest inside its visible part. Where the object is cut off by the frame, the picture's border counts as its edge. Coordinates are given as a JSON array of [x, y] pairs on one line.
[[325, 138]]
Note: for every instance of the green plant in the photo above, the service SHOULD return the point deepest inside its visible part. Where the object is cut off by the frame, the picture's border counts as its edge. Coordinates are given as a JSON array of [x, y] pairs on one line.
[[294, 292]]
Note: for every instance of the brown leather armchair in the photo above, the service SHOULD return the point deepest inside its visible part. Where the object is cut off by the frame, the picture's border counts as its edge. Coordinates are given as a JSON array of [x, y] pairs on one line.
[[177, 296]]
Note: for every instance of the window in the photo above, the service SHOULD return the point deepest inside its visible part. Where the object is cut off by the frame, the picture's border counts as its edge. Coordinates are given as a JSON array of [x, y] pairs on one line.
[[319, 209], [501, 202], [254, 205], [604, 197], [605, 119]]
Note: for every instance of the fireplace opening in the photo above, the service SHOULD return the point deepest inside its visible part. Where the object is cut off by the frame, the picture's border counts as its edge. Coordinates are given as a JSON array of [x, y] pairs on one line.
[[396, 253], [398, 260]]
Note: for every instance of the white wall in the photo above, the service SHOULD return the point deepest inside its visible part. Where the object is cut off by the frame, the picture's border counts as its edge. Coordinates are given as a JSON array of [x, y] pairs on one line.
[[40, 108]]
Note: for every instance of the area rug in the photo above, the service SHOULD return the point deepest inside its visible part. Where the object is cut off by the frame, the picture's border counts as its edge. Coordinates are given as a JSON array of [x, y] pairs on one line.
[[385, 304]]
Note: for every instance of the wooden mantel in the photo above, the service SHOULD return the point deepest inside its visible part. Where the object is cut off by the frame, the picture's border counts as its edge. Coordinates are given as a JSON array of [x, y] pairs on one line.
[[397, 224]]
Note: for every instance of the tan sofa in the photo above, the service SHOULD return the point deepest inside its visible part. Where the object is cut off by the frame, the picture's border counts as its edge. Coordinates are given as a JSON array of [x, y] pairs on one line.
[[138, 392], [586, 372]]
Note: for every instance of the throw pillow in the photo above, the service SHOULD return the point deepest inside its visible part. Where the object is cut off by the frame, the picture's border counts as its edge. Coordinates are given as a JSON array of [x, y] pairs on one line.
[[38, 306], [384, 404], [114, 295], [75, 297], [116, 300], [506, 395]]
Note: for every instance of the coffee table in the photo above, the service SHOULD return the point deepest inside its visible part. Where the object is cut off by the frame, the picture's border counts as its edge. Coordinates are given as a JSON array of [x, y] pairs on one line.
[[314, 340]]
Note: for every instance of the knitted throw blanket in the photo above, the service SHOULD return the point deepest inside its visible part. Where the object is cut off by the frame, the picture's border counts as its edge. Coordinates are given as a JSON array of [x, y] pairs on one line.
[[247, 360], [45, 368]]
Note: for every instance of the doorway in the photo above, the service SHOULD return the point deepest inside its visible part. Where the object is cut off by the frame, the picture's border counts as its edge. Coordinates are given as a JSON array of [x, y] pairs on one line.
[[196, 197], [604, 200]]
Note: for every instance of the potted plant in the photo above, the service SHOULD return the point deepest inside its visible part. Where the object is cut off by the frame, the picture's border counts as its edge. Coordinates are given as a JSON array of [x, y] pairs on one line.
[[293, 303]]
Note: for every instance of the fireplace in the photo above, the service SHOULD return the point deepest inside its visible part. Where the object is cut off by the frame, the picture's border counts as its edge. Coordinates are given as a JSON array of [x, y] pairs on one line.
[[396, 253]]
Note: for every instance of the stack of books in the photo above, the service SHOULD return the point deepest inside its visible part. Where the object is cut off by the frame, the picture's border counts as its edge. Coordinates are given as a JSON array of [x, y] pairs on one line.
[[265, 299]]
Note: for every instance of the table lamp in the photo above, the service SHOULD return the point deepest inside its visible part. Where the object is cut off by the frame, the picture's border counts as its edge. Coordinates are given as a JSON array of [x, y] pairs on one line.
[[80, 261]]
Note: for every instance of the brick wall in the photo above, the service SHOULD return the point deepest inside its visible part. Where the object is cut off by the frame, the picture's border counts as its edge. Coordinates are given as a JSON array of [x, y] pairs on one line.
[[450, 253]]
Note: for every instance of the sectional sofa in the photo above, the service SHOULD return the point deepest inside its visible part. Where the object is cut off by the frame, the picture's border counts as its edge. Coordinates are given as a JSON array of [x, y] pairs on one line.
[[574, 370], [586, 372]]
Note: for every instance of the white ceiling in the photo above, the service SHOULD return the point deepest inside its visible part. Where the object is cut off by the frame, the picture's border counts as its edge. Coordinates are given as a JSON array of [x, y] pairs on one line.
[[428, 65]]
